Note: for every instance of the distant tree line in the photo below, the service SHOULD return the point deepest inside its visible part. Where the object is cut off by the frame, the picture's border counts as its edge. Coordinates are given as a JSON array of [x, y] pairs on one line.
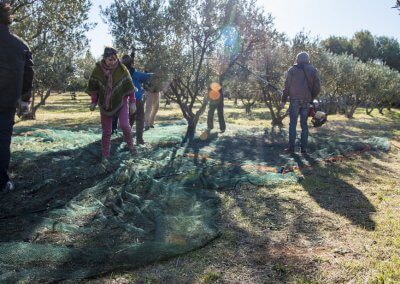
[[367, 47]]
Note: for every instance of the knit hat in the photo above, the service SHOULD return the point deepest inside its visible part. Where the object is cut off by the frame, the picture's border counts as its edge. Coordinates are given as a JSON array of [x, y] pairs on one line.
[[302, 57], [109, 51], [127, 60]]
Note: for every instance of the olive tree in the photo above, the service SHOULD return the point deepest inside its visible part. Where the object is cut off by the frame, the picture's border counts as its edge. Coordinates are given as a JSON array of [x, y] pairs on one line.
[[55, 32], [384, 88], [191, 42], [176, 38], [259, 66]]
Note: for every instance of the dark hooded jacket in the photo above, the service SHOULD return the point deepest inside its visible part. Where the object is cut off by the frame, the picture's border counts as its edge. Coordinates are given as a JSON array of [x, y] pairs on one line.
[[16, 70], [302, 83]]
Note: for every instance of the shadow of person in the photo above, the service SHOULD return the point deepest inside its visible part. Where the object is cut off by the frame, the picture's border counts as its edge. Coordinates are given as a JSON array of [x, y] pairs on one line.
[[334, 194]]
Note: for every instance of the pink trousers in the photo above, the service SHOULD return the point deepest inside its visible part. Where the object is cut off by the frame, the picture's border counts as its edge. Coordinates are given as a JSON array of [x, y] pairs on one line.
[[106, 125]]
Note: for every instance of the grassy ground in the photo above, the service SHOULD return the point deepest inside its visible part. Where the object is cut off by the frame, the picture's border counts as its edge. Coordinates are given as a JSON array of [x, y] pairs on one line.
[[339, 224]]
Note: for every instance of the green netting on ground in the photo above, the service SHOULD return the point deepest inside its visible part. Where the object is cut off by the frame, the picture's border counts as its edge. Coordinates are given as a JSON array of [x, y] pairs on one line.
[[44, 140], [127, 219], [78, 217]]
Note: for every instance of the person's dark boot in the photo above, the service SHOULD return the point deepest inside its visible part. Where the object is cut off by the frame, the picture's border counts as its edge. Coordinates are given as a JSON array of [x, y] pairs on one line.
[[133, 151], [303, 151], [289, 150], [139, 136]]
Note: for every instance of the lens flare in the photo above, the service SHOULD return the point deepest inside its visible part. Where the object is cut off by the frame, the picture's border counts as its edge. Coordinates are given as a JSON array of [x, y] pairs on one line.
[[230, 40], [215, 86], [214, 95], [227, 47]]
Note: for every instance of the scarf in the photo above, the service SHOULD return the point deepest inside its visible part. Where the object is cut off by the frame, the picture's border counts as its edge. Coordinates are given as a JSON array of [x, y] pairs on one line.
[[108, 72]]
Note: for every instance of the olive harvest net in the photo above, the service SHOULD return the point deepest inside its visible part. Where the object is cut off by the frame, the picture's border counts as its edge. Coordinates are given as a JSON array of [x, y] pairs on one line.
[[74, 217]]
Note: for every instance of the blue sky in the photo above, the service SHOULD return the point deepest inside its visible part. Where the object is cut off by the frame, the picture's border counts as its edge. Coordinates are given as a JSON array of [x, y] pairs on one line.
[[99, 36], [321, 18]]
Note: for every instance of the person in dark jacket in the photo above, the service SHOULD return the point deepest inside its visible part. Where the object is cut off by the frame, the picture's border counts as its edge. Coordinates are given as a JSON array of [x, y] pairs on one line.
[[302, 85], [16, 76], [138, 79], [216, 97]]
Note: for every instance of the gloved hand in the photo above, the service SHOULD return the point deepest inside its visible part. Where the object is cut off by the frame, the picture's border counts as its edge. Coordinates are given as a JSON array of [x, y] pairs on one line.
[[132, 107], [311, 110], [92, 106]]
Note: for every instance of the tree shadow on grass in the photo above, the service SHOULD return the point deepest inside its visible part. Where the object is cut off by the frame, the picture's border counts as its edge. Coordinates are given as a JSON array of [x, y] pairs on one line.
[[273, 241], [246, 232], [334, 194], [328, 189], [355, 128], [283, 261]]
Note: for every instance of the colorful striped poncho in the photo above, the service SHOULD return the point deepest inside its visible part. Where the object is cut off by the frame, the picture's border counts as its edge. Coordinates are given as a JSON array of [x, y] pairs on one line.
[[122, 86]]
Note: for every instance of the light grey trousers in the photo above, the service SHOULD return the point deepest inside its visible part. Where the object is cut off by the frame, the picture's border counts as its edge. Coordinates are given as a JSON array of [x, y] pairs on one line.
[[152, 106]]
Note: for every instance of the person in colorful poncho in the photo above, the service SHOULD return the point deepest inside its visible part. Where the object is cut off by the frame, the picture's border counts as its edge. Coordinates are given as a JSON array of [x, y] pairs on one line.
[[111, 88]]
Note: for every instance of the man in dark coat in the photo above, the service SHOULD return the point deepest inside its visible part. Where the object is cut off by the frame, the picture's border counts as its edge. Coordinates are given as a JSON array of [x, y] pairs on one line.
[[216, 97], [16, 76], [138, 79], [302, 85]]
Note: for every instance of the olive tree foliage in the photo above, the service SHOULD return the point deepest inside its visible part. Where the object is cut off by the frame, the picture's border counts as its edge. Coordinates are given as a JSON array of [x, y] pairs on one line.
[[192, 43], [258, 69], [55, 32], [82, 69], [141, 28], [376, 87], [397, 5], [325, 61], [366, 47], [383, 88], [175, 38], [388, 51], [338, 44], [271, 65], [244, 88], [302, 41], [348, 83], [363, 45]]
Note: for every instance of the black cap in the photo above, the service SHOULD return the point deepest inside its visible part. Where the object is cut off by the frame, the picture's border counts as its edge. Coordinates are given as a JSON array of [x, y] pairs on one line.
[[109, 51]]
